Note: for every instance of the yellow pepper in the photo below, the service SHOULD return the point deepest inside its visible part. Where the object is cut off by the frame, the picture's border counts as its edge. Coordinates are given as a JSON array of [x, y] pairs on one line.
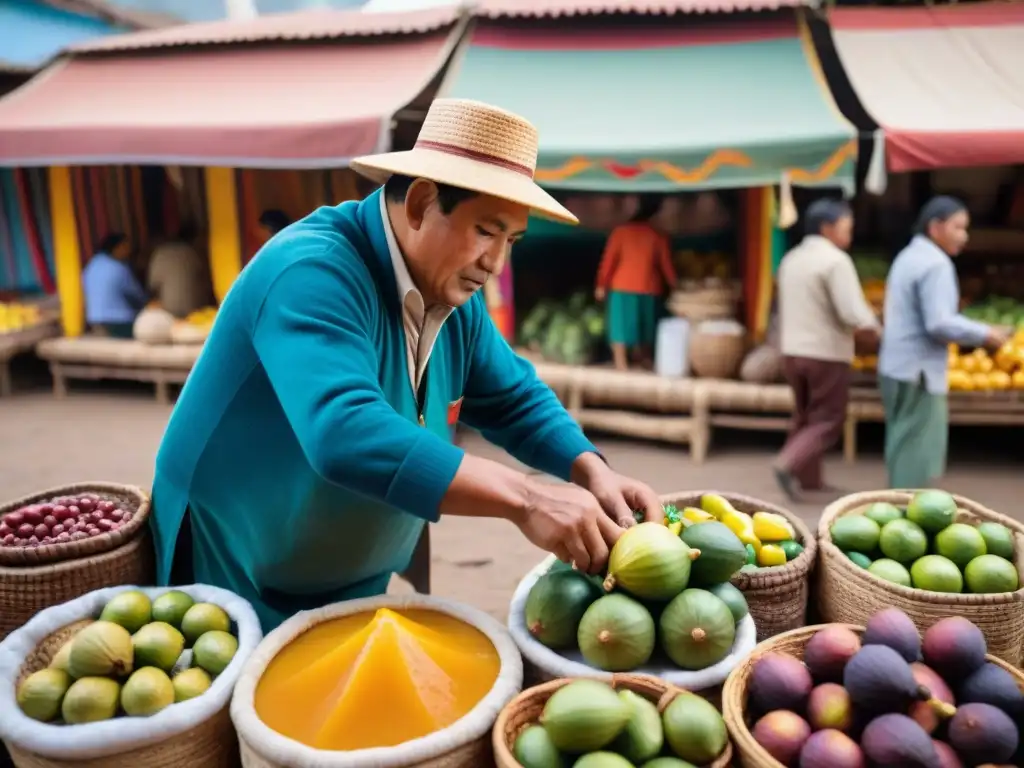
[[717, 505], [741, 524], [695, 515], [771, 527], [771, 554], [676, 527]]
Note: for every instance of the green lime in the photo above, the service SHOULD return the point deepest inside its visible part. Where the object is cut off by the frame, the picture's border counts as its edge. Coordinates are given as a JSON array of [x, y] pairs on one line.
[[751, 554], [936, 573], [891, 571], [856, 557], [792, 549], [903, 541], [998, 539], [932, 510], [855, 532], [883, 512], [961, 543], [990, 573]]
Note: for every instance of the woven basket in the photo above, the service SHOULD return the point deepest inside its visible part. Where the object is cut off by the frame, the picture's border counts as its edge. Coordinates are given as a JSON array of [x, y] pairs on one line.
[[211, 744], [716, 355], [850, 594], [777, 596], [734, 696], [26, 591], [464, 744], [128, 497], [525, 710]]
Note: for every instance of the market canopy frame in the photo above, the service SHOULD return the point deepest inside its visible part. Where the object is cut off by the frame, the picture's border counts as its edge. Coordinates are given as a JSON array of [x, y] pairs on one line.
[[944, 83], [666, 106]]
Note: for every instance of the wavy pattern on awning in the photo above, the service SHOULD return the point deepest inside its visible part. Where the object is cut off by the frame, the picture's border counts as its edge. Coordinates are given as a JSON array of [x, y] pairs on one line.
[[681, 106]]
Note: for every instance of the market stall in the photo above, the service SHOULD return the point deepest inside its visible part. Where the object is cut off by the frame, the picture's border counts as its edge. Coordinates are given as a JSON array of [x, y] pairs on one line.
[[233, 114], [609, 131], [940, 113]]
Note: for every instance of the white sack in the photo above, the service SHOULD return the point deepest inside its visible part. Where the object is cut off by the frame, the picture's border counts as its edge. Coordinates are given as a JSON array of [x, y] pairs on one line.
[[281, 751], [123, 734], [571, 663]]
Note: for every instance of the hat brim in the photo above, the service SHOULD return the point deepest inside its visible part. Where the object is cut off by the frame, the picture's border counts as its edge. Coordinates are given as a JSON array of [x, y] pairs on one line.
[[465, 173]]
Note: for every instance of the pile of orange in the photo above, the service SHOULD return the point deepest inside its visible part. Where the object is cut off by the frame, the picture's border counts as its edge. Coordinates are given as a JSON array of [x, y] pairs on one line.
[[978, 371]]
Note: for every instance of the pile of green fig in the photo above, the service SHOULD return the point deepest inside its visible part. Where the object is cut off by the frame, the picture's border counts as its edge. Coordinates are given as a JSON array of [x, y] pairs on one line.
[[659, 593], [888, 697], [924, 547], [130, 660], [588, 724]]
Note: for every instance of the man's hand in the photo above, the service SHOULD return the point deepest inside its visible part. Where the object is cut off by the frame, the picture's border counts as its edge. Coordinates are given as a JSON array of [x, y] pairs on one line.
[[567, 520], [997, 336], [618, 495]]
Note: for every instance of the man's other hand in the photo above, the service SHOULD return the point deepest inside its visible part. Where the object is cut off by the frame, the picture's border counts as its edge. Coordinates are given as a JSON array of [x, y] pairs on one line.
[[617, 494]]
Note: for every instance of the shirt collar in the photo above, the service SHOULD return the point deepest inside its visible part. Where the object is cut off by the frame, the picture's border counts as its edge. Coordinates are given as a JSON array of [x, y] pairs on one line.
[[402, 277]]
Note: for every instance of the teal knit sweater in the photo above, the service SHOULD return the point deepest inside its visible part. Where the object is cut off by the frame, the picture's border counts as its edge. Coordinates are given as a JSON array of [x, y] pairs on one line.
[[295, 444]]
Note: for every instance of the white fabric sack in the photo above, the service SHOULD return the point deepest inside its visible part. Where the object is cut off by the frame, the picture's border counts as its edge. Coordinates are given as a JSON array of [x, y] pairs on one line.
[[123, 734], [571, 663], [281, 751], [153, 326]]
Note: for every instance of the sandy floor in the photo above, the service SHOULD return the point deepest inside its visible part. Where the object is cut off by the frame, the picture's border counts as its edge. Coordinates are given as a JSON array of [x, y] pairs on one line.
[[112, 434]]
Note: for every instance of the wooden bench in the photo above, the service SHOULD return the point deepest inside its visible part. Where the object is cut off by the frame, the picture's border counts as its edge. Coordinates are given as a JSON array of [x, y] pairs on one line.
[[94, 358], [15, 342]]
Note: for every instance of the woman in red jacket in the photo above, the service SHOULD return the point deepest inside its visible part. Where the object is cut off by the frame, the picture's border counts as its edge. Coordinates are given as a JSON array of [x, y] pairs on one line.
[[636, 269]]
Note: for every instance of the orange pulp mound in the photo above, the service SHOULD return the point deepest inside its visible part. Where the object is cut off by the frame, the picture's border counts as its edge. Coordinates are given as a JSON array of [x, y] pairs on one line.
[[376, 680]]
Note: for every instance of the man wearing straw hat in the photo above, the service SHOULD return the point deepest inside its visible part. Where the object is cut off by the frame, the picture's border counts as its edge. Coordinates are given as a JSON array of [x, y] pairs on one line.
[[313, 438]]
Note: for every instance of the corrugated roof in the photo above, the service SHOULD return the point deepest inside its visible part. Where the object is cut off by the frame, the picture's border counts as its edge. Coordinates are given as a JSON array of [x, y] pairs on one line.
[[496, 9], [125, 17], [319, 24]]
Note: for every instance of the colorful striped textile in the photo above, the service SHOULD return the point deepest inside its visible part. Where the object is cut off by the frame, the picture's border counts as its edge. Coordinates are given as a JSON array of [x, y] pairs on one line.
[[26, 248]]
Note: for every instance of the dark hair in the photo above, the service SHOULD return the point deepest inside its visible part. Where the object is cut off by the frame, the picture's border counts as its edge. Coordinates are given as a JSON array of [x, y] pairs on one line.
[[275, 220], [188, 232], [448, 197], [940, 209], [648, 208], [824, 212], [109, 242]]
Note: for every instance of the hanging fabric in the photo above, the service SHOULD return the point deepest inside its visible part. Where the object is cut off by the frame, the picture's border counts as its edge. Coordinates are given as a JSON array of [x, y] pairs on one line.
[[33, 240], [7, 255]]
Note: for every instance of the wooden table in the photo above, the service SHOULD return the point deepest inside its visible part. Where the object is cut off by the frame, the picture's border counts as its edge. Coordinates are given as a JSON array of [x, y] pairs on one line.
[[15, 342]]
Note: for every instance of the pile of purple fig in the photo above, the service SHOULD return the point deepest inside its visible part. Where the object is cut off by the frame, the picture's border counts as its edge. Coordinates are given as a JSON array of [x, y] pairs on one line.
[[888, 698], [63, 519]]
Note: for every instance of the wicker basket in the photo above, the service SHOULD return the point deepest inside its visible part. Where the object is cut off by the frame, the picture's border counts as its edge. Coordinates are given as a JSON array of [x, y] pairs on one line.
[[464, 744], [525, 710], [734, 696], [129, 497], [211, 744], [716, 355], [711, 303], [26, 591], [777, 596], [850, 594]]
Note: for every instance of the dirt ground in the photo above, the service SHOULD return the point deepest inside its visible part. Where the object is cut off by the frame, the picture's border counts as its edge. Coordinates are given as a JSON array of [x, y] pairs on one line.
[[104, 432]]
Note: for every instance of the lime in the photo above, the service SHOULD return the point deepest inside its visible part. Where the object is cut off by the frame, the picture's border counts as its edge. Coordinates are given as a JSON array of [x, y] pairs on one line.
[[961, 543], [998, 539], [903, 541], [936, 573], [932, 510], [792, 549], [890, 570], [171, 607], [855, 532], [202, 618], [862, 560], [990, 573], [882, 512]]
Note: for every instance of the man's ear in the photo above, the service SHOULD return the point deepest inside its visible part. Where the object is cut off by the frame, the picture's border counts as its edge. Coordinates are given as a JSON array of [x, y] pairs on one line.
[[421, 195]]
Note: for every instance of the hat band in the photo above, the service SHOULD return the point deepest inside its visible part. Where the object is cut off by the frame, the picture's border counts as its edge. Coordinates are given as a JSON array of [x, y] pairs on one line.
[[472, 154]]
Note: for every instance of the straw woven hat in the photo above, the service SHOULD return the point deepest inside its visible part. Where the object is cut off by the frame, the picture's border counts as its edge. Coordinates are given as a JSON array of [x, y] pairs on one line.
[[474, 146]]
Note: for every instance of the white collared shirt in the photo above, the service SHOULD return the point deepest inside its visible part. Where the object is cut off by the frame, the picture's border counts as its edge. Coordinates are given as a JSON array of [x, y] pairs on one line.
[[422, 325]]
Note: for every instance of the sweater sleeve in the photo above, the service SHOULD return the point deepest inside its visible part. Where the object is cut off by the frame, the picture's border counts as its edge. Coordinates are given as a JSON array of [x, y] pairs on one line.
[[609, 260], [513, 408], [939, 297], [316, 348]]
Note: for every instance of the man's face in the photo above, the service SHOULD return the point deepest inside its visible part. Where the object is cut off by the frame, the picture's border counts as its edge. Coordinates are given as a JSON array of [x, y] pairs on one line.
[[951, 235], [452, 255], [840, 233]]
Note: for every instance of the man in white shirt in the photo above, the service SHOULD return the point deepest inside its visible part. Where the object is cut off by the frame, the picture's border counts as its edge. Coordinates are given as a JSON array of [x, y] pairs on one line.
[[821, 307]]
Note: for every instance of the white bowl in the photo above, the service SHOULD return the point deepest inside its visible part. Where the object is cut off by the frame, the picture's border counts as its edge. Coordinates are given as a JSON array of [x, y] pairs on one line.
[[571, 664]]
